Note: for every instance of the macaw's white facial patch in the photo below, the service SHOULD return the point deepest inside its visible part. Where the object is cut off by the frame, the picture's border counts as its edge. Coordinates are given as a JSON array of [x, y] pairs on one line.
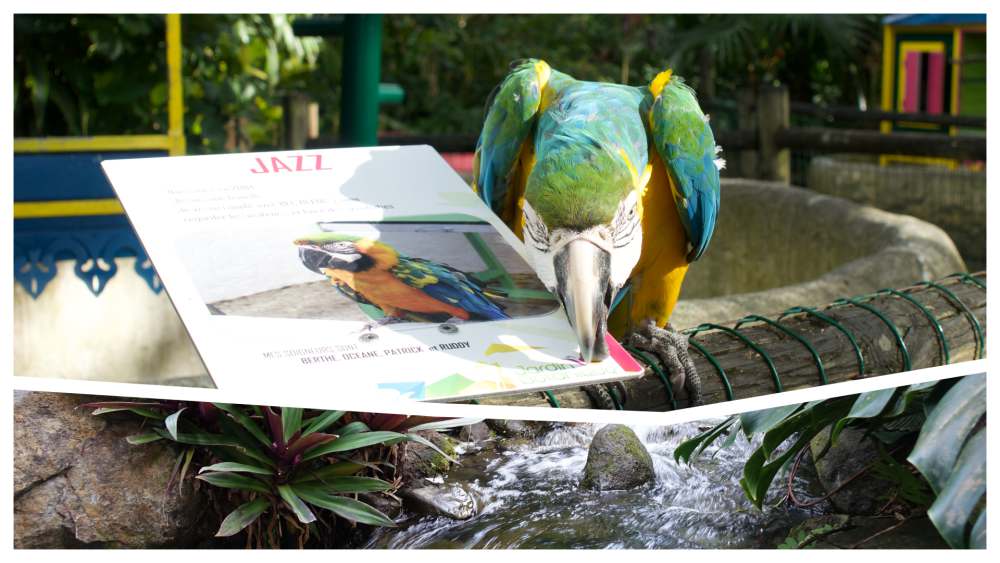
[[627, 229], [536, 237], [343, 251], [353, 257], [622, 240]]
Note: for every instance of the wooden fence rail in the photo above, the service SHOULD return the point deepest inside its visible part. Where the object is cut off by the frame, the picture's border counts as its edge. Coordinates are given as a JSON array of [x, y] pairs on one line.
[[852, 114], [835, 113], [873, 142]]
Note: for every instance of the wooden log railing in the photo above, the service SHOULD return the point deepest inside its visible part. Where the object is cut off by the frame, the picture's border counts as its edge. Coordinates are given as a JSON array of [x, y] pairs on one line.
[[916, 313], [839, 113], [850, 114], [875, 142]]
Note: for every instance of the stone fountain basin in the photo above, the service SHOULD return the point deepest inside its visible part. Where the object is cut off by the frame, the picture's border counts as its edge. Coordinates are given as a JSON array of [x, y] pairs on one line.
[[778, 246]]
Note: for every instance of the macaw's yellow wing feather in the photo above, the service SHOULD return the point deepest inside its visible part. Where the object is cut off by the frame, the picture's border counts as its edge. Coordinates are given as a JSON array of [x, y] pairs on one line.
[[680, 205]]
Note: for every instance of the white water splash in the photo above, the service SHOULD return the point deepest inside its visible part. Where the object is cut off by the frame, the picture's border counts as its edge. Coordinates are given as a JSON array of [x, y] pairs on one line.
[[529, 497]]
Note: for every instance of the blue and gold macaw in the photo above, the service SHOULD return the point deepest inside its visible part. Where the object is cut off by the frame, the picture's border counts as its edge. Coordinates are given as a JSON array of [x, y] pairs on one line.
[[611, 187], [404, 288]]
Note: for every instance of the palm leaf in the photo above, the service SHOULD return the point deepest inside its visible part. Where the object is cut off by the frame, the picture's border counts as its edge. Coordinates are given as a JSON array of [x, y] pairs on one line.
[[353, 442], [946, 429], [232, 466], [171, 423], [955, 504], [291, 422], [322, 422], [246, 422], [298, 507], [350, 509], [243, 516], [228, 480]]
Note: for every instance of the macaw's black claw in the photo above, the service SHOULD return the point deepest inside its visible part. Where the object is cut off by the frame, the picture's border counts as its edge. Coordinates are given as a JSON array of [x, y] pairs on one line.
[[671, 347]]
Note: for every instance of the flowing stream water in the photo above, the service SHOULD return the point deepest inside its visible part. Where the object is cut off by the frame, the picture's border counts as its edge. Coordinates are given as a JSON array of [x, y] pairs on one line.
[[529, 497]]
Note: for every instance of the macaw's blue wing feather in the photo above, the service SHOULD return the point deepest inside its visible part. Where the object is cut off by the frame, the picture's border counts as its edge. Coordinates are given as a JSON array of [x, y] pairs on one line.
[[684, 140], [510, 117], [448, 285]]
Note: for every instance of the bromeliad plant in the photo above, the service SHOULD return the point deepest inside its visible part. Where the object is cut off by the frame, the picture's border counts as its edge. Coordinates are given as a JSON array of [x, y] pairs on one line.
[[283, 463], [932, 440]]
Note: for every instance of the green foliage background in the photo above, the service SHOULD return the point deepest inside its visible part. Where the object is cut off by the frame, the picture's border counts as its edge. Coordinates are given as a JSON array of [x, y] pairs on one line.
[[105, 74]]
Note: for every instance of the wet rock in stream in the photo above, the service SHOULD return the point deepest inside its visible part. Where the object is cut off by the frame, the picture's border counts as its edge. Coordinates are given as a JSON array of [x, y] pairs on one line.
[[524, 429], [617, 461], [477, 433], [420, 462], [451, 501]]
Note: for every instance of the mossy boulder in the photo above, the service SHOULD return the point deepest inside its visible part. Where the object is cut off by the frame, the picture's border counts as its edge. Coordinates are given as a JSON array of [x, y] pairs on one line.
[[617, 460], [420, 461]]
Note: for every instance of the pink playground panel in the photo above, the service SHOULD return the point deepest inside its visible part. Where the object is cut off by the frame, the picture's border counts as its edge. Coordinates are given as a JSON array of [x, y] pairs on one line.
[[932, 93]]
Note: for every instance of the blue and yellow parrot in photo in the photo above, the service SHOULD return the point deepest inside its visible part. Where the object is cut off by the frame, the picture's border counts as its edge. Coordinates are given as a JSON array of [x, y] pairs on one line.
[[614, 190], [404, 288]]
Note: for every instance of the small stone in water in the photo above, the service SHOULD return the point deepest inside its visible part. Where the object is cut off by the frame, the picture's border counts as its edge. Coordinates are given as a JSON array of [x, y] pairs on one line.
[[453, 502]]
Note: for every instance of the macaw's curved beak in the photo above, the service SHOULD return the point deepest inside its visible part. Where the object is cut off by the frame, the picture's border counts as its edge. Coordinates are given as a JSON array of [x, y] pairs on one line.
[[312, 257], [582, 281]]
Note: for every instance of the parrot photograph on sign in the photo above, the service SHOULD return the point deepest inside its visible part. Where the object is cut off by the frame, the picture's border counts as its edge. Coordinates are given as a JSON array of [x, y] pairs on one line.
[[433, 269]]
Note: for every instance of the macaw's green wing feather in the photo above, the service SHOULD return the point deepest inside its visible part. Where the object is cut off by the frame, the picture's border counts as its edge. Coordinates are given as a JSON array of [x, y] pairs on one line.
[[510, 117], [684, 140], [448, 285]]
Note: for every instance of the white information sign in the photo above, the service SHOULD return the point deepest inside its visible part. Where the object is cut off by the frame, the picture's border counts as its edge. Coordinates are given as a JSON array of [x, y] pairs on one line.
[[373, 271]]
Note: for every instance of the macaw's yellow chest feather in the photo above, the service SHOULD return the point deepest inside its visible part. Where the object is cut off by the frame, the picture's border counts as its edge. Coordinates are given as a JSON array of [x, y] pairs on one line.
[[390, 294], [656, 279]]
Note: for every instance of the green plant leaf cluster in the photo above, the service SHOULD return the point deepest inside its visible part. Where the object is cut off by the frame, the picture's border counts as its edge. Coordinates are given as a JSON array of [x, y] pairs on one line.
[[284, 462], [940, 425]]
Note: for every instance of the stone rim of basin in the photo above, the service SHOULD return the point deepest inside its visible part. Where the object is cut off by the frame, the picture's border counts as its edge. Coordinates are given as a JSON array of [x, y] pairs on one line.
[[908, 250]]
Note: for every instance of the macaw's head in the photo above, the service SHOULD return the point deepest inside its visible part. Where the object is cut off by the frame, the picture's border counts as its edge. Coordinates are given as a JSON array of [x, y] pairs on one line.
[[582, 226], [335, 251]]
